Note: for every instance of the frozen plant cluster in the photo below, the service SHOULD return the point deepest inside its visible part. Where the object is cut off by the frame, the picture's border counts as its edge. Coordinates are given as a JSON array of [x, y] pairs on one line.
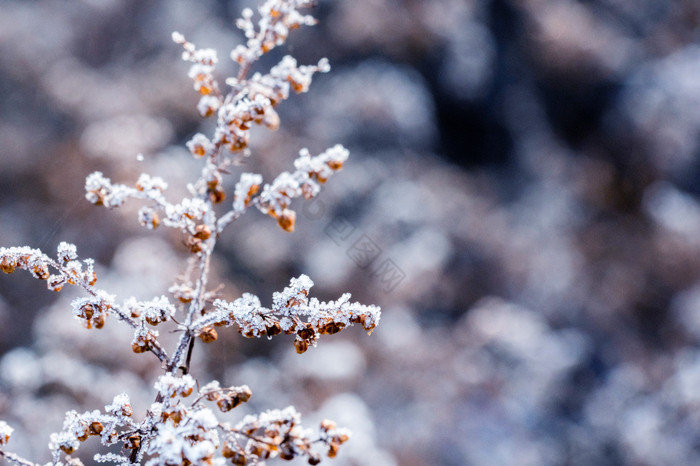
[[181, 426]]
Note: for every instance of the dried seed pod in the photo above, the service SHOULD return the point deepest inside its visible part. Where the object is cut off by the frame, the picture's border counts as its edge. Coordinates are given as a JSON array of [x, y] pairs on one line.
[[99, 321], [333, 449], [236, 457], [227, 403], [84, 433], [334, 164], [287, 452], [273, 329], [301, 346], [56, 282], [67, 449], [95, 428], [5, 433], [91, 278], [202, 232], [143, 342], [208, 334], [132, 442], [87, 311], [306, 333], [136, 348], [194, 244], [327, 425], [7, 266], [176, 416], [217, 195], [287, 220], [41, 271]]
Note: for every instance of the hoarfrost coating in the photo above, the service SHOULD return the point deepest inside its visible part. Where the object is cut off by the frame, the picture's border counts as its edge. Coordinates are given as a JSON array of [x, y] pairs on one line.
[[181, 426]]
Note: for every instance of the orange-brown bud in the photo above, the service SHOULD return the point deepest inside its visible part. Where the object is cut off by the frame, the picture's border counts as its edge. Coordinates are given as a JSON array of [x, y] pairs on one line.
[[41, 271], [306, 333], [99, 321], [202, 232], [153, 320], [334, 164], [55, 282], [7, 266], [333, 449], [301, 346], [176, 417], [273, 329], [327, 425], [136, 348], [88, 311], [236, 457], [132, 442], [287, 220], [208, 334], [67, 449], [194, 244], [217, 195], [95, 428]]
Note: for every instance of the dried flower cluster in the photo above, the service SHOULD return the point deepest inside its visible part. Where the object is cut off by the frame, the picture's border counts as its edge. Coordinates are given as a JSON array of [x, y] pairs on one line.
[[286, 313], [174, 431]]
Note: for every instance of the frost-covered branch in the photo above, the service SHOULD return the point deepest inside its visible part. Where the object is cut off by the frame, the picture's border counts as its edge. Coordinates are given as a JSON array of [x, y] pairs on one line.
[[292, 312], [173, 431], [91, 310]]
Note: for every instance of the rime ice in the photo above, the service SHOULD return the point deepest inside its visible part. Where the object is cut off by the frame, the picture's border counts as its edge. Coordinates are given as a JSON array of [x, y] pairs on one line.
[[181, 426]]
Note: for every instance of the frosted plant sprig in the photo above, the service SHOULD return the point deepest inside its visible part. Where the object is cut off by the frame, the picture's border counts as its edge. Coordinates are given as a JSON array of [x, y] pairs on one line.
[[275, 198], [174, 431], [91, 310], [292, 312]]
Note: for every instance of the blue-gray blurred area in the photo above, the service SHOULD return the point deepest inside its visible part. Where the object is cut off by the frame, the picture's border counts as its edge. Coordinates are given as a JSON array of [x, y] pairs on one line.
[[522, 199]]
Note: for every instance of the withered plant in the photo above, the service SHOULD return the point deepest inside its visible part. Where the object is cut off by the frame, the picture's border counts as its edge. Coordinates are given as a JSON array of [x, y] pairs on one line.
[[181, 427]]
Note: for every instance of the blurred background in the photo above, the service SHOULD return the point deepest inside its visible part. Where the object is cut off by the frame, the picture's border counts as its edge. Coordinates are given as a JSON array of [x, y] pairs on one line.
[[522, 199]]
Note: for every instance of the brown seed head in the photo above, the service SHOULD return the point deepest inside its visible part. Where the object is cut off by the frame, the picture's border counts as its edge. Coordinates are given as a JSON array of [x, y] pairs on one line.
[[306, 333], [132, 442], [208, 334], [217, 195], [287, 220], [99, 321], [273, 329], [194, 244], [6, 265], [95, 428], [41, 271], [334, 164], [202, 232], [327, 425], [67, 449], [301, 346]]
